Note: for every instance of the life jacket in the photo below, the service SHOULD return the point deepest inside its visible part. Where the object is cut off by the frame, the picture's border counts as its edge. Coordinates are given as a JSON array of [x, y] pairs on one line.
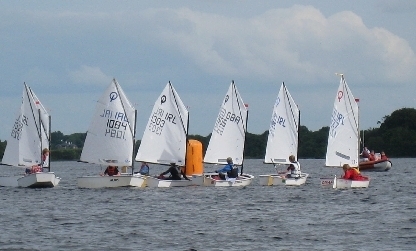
[[295, 172], [36, 169], [356, 175], [174, 173], [144, 170], [233, 173], [356, 170]]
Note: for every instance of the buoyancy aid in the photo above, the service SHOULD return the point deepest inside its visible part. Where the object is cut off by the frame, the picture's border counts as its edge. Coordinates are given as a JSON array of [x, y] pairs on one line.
[[295, 173], [356, 175], [36, 169], [233, 173], [356, 170], [174, 173]]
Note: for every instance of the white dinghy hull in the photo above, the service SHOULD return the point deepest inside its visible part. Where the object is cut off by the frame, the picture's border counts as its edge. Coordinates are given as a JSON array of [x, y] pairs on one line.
[[208, 180], [10, 181], [340, 183], [278, 180], [155, 182], [112, 181], [39, 180]]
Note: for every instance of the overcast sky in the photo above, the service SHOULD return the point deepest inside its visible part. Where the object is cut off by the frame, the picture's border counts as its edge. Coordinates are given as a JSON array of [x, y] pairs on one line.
[[69, 51]]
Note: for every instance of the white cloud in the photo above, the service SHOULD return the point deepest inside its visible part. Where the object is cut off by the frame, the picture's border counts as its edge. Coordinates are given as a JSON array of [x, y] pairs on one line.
[[201, 47], [293, 41], [89, 75]]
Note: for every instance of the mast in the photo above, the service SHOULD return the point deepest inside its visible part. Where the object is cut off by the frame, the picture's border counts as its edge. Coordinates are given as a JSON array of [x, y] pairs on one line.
[[244, 146], [356, 116], [244, 124], [49, 141], [293, 117], [297, 148], [363, 141], [134, 142], [181, 118], [358, 129], [186, 142], [132, 129], [40, 137]]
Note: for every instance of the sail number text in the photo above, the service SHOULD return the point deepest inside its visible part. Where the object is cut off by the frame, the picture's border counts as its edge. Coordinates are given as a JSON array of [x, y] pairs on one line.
[[158, 120], [223, 118], [18, 126], [117, 124]]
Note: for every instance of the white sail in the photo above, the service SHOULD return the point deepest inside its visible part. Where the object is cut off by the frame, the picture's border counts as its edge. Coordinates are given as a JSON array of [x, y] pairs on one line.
[[164, 139], [283, 132], [228, 136], [110, 136], [44, 126], [343, 138], [29, 133]]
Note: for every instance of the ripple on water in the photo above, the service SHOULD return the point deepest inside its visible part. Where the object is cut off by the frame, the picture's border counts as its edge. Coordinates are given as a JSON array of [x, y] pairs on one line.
[[194, 218]]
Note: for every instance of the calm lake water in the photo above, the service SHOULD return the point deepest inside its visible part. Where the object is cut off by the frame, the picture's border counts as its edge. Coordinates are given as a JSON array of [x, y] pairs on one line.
[[382, 217]]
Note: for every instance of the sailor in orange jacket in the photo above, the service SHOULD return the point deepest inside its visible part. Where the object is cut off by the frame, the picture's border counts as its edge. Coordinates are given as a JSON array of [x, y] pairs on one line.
[[352, 173]]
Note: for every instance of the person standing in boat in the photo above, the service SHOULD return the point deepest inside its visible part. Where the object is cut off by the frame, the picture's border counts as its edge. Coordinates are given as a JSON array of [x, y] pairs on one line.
[[175, 172], [111, 171], [229, 169], [144, 169], [293, 168]]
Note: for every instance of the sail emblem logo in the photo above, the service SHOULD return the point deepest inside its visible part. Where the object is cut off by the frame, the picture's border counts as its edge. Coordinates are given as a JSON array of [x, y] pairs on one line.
[[340, 95], [226, 99], [163, 99], [277, 101], [113, 96]]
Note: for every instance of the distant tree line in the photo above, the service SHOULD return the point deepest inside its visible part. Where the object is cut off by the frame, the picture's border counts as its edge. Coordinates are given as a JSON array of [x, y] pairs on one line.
[[396, 136]]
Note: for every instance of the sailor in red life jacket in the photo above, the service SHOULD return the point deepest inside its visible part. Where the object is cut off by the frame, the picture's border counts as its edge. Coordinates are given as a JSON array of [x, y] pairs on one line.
[[39, 168], [351, 173], [111, 171], [383, 156], [372, 156]]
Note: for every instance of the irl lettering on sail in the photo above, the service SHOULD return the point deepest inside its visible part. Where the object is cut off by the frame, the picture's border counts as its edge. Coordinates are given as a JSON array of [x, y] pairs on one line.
[[276, 120], [120, 116], [337, 120], [158, 120]]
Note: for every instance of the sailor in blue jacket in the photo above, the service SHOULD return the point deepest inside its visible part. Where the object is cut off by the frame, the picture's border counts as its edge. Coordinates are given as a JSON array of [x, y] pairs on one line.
[[230, 169]]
